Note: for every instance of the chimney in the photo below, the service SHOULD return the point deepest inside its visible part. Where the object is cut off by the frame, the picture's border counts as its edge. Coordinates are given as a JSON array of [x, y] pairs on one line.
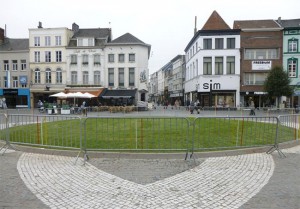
[[40, 25], [195, 30], [1, 35], [75, 27], [279, 20]]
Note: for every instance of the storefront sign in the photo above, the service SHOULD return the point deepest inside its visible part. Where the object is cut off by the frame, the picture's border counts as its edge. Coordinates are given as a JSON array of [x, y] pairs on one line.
[[261, 65], [23, 80]]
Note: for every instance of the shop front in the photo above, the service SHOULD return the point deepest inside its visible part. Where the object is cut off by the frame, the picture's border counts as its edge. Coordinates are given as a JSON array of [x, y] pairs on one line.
[[219, 92], [16, 98]]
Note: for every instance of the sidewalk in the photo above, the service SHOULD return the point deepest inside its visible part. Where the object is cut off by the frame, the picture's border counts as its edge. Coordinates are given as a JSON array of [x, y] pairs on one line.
[[257, 180]]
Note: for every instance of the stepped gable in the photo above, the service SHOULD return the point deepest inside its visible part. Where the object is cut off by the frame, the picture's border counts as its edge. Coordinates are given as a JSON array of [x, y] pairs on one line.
[[215, 22], [255, 24]]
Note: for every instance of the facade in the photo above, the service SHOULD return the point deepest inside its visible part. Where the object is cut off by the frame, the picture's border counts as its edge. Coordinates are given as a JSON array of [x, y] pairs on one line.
[[213, 65], [291, 56], [126, 74], [261, 50], [153, 88], [14, 71], [175, 86], [85, 58], [47, 61]]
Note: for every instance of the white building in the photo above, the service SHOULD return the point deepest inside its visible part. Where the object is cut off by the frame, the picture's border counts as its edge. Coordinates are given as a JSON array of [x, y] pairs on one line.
[[126, 74], [213, 65], [47, 61]]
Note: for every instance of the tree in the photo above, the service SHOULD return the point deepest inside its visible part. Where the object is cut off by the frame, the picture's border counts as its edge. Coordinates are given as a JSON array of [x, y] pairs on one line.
[[277, 83]]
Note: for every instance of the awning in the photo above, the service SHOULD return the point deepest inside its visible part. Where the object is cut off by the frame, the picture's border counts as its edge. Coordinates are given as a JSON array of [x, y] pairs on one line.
[[95, 92], [115, 94]]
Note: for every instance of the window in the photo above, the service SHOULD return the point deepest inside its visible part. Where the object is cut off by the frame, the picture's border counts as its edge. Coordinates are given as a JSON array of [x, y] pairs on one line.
[[255, 78], [58, 40], [219, 43], [121, 57], [97, 77], [131, 57], [121, 76], [58, 56], [15, 81], [252, 54], [73, 77], [131, 76], [37, 76], [219, 65], [58, 75], [48, 75], [85, 77], [292, 66], [73, 59], [110, 77], [90, 42], [23, 65], [293, 45], [37, 41], [85, 59], [37, 56], [230, 43], [6, 65], [79, 42], [230, 68], [5, 82], [47, 56], [97, 59], [207, 68], [47, 41], [111, 58], [207, 43], [15, 65]]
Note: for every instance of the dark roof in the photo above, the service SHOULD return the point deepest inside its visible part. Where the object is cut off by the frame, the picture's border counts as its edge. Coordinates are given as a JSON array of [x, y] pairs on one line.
[[294, 23], [255, 24], [12, 44], [215, 22], [127, 38], [93, 32], [118, 93]]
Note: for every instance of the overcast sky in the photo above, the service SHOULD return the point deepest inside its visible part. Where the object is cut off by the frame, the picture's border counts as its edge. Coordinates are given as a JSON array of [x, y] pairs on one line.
[[167, 25]]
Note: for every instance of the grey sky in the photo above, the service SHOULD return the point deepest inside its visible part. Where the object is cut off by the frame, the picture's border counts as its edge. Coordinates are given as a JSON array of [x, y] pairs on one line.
[[167, 25]]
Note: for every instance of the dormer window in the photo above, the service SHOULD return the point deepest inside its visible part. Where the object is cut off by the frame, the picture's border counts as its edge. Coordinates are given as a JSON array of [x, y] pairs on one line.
[[80, 42], [85, 42]]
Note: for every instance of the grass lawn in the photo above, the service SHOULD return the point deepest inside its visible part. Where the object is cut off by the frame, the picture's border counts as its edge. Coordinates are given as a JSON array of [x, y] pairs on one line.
[[150, 133]]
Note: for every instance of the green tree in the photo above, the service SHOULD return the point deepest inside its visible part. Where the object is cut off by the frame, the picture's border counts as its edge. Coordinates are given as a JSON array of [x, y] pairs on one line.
[[277, 83]]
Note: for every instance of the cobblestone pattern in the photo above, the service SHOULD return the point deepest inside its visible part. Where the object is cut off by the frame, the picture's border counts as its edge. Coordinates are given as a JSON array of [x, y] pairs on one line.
[[220, 182]]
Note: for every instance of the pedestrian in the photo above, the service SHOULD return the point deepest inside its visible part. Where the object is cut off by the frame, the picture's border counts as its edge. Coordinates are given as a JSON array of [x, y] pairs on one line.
[[188, 104], [192, 107], [83, 108], [4, 103]]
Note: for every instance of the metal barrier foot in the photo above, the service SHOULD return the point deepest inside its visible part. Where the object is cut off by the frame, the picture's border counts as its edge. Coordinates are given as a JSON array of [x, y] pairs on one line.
[[275, 147], [7, 146], [85, 157]]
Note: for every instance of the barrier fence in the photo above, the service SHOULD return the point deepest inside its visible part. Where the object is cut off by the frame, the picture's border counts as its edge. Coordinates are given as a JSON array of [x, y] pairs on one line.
[[149, 134]]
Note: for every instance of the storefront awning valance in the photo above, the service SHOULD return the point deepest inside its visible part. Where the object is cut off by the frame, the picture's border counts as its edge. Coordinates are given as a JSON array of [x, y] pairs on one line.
[[115, 94]]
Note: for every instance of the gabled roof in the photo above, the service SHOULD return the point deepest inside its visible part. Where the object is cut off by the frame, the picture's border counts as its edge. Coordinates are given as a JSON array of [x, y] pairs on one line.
[[294, 23], [12, 44], [215, 22], [93, 32], [127, 38], [256, 24]]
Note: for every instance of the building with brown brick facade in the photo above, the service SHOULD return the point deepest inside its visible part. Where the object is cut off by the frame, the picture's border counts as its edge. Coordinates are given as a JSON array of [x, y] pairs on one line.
[[261, 50]]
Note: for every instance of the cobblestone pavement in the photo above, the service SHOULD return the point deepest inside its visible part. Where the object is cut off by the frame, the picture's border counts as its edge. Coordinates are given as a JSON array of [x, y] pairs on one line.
[[31, 180]]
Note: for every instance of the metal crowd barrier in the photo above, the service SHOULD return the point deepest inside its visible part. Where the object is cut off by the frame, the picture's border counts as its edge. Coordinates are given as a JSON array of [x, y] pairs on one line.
[[39, 130], [147, 133]]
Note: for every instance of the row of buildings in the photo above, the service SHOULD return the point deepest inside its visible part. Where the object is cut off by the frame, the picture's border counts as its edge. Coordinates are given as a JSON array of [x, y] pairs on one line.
[[56, 60], [224, 67]]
